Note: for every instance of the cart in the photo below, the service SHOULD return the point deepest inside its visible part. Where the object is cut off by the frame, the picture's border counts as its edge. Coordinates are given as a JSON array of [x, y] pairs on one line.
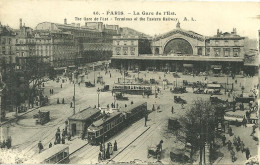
[[119, 96], [89, 84], [179, 90], [179, 100], [154, 152]]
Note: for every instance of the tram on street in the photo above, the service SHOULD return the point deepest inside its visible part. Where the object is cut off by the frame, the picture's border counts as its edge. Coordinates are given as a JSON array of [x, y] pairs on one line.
[[133, 89], [104, 128], [56, 154]]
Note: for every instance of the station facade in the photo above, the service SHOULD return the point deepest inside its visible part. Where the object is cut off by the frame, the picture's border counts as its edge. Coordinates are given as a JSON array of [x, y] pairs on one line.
[[181, 50]]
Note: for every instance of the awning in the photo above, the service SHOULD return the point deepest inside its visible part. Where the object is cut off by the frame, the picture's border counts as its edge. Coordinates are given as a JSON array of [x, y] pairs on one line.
[[233, 119], [213, 86], [188, 65], [216, 66], [61, 68]]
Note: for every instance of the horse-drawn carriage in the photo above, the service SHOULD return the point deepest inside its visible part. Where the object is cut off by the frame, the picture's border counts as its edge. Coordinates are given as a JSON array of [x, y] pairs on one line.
[[179, 90], [179, 100], [119, 96]]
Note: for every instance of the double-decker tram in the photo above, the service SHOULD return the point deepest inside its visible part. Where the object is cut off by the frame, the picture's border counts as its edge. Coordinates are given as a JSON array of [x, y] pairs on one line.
[[104, 128], [58, 153]]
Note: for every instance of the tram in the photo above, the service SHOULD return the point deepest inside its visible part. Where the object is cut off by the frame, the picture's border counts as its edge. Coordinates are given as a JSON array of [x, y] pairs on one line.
[[133, 89], [104, 128], [56, 154]]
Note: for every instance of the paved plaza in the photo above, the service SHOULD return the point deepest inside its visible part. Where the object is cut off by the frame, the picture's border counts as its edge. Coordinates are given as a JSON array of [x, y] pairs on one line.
[[134, 140]]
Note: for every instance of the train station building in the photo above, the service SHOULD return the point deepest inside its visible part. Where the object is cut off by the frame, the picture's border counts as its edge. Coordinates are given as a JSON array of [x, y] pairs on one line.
[[181, 50]]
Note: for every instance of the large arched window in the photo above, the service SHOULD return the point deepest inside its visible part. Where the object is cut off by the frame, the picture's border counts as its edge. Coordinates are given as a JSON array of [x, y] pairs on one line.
[[178, 46]]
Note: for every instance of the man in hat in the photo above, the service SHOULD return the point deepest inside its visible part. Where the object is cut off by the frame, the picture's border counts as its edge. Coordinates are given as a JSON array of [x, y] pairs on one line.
[[40, 146]]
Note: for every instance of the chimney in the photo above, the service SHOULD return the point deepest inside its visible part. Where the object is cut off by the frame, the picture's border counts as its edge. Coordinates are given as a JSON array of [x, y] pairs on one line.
[[178, 25], [235, 30], [217, 31], [21, 23], [65, 21]]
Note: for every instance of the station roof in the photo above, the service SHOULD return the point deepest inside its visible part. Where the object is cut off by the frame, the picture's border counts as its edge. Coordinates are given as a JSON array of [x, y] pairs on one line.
[[85, 114], [178, 58]]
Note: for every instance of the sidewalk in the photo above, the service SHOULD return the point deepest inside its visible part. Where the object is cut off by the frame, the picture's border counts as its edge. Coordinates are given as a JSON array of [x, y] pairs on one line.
[[12, 115]]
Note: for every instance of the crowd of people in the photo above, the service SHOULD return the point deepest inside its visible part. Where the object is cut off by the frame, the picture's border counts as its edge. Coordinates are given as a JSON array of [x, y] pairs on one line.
[[105, 153]]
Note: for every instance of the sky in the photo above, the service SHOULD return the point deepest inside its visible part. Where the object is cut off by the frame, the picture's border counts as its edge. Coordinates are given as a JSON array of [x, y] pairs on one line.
[[207, 16]]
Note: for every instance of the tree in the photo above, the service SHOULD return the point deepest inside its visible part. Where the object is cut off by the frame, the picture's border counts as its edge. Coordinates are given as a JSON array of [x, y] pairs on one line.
[[35, 70], [198, 127]]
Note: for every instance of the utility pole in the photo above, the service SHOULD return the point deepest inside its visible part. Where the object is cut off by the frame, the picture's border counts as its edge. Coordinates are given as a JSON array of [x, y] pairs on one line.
[[74, 98]]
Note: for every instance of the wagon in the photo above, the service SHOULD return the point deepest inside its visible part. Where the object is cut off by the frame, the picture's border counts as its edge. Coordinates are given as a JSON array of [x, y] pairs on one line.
[[89, 84], [106, 88], [154, 152], [179, 90], [119, 96], [179, 100], [199, 91]]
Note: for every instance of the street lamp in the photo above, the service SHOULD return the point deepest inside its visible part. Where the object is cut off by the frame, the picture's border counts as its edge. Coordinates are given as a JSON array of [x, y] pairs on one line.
[[114, 100], [98, 92]]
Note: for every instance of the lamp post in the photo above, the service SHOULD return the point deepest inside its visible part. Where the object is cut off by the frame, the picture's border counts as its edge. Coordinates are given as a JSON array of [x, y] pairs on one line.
[[94, 74], [115, 100], [74, 99], [98, 92]]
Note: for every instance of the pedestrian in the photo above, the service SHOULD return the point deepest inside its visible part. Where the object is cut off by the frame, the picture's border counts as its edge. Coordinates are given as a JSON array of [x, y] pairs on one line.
[[172, 109], [132, 102], [110, 75], [230, 131], [229, 145], [224, 140], [58, 101], [60, 85], [69, 136], [235, 140], [253, 130], [182, 105], [107, 152], [238, 140], [116, 105], [232, 153], [247, 153], [244, 121], [40, 146], [50, 91], [50, 145], [99, 156], [101, 146], [242, 146], [63, 133], [71, 104], [63, 140], [125, 105], [63, 101], [145, 120], [115, 146]]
